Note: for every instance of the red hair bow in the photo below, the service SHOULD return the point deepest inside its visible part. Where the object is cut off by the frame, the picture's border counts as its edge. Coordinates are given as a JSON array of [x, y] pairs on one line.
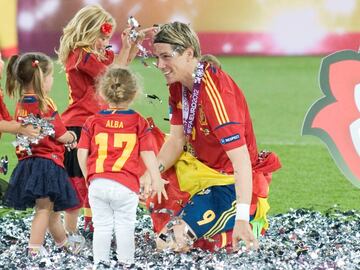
[[35, 63], [106, 28]]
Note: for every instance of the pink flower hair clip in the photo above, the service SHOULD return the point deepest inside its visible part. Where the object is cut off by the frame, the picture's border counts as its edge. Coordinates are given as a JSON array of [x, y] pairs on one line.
[[106, 28]]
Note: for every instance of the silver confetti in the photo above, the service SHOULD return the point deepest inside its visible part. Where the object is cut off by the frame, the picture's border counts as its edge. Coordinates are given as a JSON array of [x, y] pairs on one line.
[[46, 129], [299, 239], [133, 23]]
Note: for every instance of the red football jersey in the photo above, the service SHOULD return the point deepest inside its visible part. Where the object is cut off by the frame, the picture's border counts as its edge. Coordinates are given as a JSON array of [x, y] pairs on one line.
[[4, 113], [83, 101], [48, 147], [114, 139], [222, 119]]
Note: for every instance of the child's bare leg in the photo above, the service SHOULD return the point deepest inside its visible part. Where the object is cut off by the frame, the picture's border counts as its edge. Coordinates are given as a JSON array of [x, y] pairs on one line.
[[75, 240], [56, 229], [71, 220], [40, 221]]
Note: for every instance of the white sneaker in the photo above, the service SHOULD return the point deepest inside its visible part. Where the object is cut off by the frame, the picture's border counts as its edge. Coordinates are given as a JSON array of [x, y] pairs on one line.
[[75, 243], [36, 251]]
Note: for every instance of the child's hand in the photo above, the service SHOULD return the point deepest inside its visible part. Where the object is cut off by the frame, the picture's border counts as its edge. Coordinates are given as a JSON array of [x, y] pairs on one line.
[[145, 186], [73, 145], [125, 38], [29, 130], [158, 187]]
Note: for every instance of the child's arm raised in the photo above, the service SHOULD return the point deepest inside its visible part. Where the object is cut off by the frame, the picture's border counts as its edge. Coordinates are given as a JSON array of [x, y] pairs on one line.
[[123, 56]]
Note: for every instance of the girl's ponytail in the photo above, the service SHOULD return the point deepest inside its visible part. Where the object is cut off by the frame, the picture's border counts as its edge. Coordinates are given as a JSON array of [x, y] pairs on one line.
[[38, 84], [28, 71], [11, 79]]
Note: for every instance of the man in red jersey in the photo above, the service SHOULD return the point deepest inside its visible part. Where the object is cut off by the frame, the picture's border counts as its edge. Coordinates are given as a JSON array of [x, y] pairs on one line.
[[212, 145]]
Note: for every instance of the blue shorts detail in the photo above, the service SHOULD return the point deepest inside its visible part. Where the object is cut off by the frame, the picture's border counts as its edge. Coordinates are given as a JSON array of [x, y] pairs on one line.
[[211, 211]]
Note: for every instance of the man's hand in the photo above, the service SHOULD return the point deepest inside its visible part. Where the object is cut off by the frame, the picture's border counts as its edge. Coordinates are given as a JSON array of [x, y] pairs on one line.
[[147, 33], [152, 188], [242, 231]]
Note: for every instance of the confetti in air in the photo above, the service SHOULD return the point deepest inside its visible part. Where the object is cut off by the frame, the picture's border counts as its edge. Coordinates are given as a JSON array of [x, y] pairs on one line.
[[134, 34]]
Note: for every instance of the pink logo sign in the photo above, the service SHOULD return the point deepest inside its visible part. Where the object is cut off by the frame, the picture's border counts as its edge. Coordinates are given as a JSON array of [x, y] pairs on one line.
[[335, 118]]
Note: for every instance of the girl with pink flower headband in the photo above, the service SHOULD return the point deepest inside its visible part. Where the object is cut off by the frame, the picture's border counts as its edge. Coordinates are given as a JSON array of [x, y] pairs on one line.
[[84, 54]]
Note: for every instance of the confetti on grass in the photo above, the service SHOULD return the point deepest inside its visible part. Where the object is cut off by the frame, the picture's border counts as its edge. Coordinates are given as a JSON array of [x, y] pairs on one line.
[[299, 239]]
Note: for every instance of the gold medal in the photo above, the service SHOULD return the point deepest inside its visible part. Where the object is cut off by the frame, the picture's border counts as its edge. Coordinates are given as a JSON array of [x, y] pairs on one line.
[[189, 148]]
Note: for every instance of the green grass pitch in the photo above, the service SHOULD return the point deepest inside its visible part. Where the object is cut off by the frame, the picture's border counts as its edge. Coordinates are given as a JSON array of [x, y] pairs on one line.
[[279, 91]]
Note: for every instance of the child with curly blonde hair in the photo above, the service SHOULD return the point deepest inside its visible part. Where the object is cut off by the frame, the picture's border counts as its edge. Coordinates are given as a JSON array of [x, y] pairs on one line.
[[112, 142]]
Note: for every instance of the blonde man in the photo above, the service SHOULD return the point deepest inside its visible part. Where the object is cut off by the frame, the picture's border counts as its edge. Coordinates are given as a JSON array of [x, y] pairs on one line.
[[210, 121]]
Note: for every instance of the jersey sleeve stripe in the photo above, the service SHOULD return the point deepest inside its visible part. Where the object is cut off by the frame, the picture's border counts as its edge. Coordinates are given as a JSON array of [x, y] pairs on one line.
[[216, 97], [215, 101], [213, 104], [216, 91]]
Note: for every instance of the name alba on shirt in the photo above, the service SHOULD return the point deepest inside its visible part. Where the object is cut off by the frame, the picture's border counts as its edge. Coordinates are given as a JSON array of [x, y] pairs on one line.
[[114, 124]]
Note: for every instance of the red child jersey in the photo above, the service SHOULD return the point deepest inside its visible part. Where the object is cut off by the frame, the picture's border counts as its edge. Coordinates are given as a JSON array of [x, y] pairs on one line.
[[4, 113], [222, 120], [115, 139], [48, 147], [83, 101]]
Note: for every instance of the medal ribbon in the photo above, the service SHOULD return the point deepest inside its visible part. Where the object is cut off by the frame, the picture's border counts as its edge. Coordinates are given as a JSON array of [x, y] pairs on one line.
[[189, 110]]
